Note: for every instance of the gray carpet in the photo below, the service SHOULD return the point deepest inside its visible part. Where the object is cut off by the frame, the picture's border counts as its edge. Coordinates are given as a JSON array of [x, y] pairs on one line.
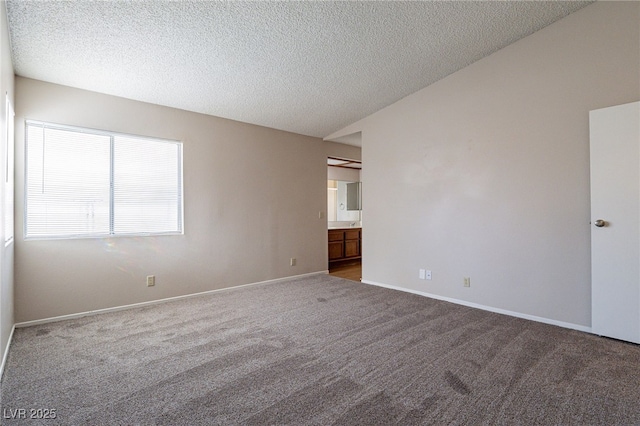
[[320, 351]]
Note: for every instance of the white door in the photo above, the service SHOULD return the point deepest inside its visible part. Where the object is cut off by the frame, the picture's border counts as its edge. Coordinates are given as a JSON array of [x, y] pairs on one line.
[[615, 221]]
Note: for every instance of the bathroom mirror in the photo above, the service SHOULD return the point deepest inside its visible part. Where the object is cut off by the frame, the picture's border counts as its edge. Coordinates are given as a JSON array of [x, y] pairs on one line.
[[353, 196], [344, 202]]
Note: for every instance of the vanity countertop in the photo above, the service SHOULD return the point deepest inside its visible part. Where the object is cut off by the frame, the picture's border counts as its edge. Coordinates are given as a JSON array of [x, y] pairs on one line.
[[332, 228]]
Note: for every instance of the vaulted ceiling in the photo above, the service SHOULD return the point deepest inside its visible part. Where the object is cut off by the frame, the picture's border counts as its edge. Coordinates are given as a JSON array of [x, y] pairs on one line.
[[309, 67]]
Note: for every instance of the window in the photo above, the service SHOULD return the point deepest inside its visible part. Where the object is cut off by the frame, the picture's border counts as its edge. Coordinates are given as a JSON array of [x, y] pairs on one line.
[[8, 177], [88, 183]]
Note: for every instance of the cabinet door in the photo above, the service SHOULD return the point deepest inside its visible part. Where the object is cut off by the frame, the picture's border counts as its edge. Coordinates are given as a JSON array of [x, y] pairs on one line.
[[336, 250], [352, 234], [351, 248], [336, 235]]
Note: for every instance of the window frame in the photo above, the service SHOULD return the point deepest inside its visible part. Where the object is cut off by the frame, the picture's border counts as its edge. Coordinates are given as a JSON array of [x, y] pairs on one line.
[[112, 135], [9, 179]]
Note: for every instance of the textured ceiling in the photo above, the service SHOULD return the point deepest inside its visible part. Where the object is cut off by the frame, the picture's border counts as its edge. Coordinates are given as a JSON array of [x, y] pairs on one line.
[[305, 67]]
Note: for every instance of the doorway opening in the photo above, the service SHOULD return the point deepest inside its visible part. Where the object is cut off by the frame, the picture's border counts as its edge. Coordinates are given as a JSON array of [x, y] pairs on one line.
[[344, 218]]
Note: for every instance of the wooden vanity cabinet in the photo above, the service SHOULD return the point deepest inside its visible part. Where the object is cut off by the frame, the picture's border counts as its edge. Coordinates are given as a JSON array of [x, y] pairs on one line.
[[352, 243], [336, 244], [345, 244]]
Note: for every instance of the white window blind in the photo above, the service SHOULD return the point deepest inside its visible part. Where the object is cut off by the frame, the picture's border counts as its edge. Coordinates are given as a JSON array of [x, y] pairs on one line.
[[147, 190], [9, 170], [83, 182]]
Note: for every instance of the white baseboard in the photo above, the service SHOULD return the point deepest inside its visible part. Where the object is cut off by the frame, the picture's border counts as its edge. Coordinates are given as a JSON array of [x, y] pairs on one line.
[[6, 352], [158, 301], [486, 308]]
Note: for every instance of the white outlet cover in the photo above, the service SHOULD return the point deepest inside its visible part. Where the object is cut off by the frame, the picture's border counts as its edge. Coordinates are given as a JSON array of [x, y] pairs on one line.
[[422, 274], [427, 275]]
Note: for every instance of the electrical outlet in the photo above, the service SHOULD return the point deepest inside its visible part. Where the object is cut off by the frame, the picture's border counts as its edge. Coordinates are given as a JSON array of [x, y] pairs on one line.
[[467, 281], [151, 280], [292, 261], [427, 275]]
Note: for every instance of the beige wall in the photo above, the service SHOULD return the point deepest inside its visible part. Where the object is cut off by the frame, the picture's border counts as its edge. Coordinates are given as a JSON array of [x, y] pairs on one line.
[[6, 253], [343, 173], [341, 150], [252, 201], [485, 174]]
